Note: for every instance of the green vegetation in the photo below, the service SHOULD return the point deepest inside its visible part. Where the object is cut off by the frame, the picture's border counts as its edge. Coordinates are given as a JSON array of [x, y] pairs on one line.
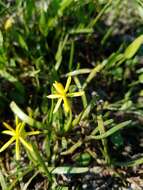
[[70, 91]]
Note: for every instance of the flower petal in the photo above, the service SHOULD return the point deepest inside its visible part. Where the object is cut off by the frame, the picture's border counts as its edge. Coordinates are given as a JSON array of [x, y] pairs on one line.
[[18, 127], [75, 94], [21, 129], [67, 84], [54, 96], [8, 126], [7, 144], [57, 105], [8, 132], [66, 104], [27, 145], [59, 87]]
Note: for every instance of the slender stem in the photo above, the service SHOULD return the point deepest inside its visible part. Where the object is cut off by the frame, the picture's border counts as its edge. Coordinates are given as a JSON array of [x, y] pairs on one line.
[[102, 131]]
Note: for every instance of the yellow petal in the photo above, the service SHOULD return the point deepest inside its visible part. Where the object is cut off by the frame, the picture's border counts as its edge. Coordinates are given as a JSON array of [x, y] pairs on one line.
[[18, 128], [7, 132], [66, 104], [7, 144], [75, 94], [59, 87], [54, 96], [27, 145], [21, 127], [68, 84], [8, 126], [57, 105]]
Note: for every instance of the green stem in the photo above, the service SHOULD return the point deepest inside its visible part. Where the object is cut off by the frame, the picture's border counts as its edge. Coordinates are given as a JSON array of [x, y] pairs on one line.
[[102, 131]]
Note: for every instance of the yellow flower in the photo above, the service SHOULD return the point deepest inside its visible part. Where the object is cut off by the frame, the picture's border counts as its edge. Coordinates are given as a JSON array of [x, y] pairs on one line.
[[8, 23], [18, 135], [62, 95]]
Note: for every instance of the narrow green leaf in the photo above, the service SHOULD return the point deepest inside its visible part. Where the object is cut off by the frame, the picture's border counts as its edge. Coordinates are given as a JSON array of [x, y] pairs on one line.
[[63, 5], [93, 73], [133, 47], [3, 181], [100, 14], [41, 162], [110, 131], [141, 78], [59, 53], [79, 85], [68, 170], [1, 39], [25, 187], [71, 55], [24, 117], [73, 170], [12, 79], [43, 23], [131, 163], [114, 58], [78, 72], [102, 131], [72, 148], [81, 30], [8, 76], [22, 42]]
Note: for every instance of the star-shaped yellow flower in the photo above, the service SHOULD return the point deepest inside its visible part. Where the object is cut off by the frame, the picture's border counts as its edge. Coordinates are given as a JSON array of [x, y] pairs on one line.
[[63, 95], [18, 135]]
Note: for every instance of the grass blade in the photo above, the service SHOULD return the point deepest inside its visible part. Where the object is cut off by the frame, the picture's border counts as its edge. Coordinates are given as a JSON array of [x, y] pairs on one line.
[[3, 181], [110, 131], [24, 117], [41, 162]]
